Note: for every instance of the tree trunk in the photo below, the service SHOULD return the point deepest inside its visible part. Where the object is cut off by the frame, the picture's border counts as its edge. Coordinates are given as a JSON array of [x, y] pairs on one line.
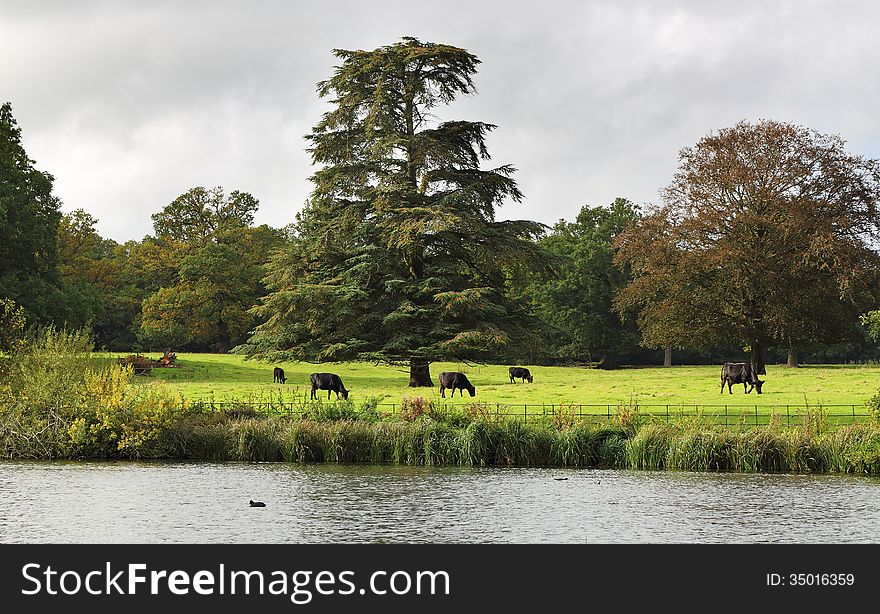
[[758, 360], [667, 357], [793, 359], [420, 373]]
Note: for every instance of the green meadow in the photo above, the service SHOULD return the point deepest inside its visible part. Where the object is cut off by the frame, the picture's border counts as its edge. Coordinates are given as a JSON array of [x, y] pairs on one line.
[[229, 377]]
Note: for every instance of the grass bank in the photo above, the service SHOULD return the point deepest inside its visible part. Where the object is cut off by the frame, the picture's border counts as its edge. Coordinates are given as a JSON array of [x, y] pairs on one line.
[[691, 445]]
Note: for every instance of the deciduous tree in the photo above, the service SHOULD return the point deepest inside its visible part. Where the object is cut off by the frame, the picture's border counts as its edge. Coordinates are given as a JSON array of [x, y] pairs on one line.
[[576, 300], [217, 259], [767, 233]]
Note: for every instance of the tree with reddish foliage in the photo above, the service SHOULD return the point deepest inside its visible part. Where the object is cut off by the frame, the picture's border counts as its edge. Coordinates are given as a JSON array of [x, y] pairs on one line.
[[767, 234]]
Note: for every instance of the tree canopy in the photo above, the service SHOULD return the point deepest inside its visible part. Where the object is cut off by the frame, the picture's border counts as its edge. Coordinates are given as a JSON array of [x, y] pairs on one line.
[[216, 258], [767, 233], [575, 301], [398, 256], [29, 216], [200, 215]]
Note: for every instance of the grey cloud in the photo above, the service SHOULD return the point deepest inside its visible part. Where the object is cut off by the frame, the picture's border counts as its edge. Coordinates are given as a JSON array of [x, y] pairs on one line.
[[129, 104]]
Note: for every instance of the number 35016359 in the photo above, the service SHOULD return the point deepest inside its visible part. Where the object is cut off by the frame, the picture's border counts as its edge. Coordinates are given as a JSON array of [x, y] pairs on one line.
[[811, 579]]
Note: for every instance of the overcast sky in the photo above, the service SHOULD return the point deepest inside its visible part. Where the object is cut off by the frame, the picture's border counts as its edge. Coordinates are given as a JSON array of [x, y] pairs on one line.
[[129, 104]]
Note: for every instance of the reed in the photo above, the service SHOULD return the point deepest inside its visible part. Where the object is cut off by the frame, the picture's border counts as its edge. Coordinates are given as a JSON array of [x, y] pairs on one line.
[[700, 450], [690, 445], [258, 440], [649, 447]]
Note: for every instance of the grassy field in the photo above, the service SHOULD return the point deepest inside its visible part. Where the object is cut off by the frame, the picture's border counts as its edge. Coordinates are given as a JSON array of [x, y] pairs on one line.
[[226, 377]]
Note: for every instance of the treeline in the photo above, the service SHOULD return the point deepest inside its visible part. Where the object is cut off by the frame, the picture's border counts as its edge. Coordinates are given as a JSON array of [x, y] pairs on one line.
[[765, 243], [188, 285]]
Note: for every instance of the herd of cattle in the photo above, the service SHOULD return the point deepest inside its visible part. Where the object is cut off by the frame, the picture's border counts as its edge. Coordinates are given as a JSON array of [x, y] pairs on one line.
[[731, 373]]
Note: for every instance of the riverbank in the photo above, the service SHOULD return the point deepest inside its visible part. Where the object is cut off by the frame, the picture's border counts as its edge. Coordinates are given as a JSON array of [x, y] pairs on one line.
[[688, 444]]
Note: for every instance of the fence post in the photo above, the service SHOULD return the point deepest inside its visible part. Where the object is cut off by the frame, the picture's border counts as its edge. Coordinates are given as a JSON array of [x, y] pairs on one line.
[[525, 414], [667, 412], [787, 416], [854, 413], [756, 415], [725, 414]]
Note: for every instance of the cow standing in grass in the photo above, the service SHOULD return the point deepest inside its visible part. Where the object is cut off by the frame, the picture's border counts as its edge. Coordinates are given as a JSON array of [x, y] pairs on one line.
[[278, 376], [455, 381], [740, 373], [329, 382], [520, 372]]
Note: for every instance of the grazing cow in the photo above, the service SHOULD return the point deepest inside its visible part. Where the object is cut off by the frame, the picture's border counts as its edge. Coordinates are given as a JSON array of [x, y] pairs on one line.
[[520, 372], [455, 381], [740, 373], [278, 375], [329, 382]]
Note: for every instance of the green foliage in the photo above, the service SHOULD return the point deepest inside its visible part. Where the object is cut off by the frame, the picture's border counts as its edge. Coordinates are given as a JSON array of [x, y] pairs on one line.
[[199, 216], [398, 255], [683, 445], [29, 216], [93, 276], [12, 326], [874, 406], [575, 302], [871, 321], [57, 400], [419, 408], [219, 260], [366, 411]]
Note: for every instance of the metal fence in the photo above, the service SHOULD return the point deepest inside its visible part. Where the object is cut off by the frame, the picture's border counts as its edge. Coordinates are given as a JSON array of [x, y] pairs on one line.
[[727, 414]]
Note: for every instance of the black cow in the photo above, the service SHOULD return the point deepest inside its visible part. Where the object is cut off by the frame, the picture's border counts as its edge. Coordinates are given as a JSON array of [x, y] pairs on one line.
[[329, 382], [455, 381], [740, 373], [278, 375], [520, 372]]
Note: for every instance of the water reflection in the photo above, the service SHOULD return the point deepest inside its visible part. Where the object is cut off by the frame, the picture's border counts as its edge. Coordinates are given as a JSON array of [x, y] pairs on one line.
[[201, 502]]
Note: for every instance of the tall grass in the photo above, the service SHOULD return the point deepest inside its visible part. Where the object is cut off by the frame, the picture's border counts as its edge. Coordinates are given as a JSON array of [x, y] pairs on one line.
[[681, 445], [688, 446]]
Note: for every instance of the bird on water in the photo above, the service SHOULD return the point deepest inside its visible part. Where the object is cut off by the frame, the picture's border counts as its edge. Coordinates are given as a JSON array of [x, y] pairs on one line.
[[257, 504]]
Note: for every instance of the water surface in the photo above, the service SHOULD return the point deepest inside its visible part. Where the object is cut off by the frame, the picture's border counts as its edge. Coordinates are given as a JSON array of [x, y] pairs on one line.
[[130, 502]]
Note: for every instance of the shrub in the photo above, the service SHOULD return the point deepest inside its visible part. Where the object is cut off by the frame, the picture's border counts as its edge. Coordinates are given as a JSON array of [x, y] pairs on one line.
[[874, 406], [58, 400], [419, 408]]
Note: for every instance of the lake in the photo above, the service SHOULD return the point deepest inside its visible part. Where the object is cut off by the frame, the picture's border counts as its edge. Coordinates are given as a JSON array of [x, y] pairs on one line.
[[173, 502]]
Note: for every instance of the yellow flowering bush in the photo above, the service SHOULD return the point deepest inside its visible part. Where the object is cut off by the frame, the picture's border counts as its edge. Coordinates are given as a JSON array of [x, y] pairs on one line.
[[58, 399], [127, 417]]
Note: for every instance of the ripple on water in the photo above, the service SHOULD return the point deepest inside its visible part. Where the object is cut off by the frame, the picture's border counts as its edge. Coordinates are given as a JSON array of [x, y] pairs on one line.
[[204, 502]]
